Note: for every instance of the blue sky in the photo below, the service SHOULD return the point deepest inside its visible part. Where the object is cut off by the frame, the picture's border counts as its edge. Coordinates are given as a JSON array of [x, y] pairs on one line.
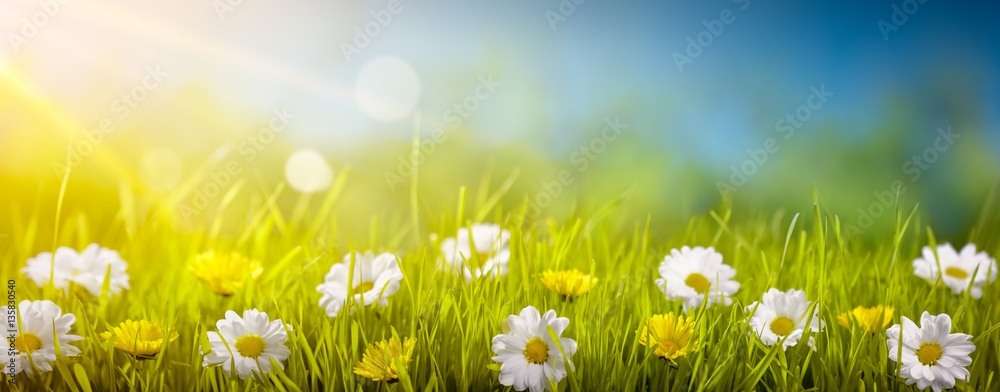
[[606, 54]]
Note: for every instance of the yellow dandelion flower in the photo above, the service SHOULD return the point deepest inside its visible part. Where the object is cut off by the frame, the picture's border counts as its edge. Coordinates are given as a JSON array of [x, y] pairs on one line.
[[672, 336], [569, 284], [142, 338], [379, 362], [217, 269], [874, 320]]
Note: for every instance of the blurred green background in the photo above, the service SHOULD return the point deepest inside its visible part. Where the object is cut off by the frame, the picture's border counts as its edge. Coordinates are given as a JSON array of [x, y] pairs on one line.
[[498, 90]]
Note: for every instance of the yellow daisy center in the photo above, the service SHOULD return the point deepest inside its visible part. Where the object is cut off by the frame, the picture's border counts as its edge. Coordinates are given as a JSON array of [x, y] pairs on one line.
[[782, 326], [250, 346], [956, 272], [27, 342], [536, 351], [698, 282], [929, 353], [364, 287]]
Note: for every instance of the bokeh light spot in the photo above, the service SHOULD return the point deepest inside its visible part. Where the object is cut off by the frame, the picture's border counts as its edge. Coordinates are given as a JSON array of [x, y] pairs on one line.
[[307, 171]]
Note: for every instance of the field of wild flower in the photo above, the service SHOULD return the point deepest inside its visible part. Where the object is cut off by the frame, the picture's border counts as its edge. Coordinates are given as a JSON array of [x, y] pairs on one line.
[[557, 195], [475, 297]]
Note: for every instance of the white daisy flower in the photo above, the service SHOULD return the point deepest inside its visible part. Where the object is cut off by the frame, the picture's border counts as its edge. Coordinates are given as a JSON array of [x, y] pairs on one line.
[[36, 338], [375, 279], [253, 340], [527, 354], [692, 273], [932, 357], [87, 269], [487, 252], [958, 268], [782, 315]]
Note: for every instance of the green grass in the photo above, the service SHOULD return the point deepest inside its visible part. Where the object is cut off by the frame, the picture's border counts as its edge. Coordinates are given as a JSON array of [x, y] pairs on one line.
[[454, 322]]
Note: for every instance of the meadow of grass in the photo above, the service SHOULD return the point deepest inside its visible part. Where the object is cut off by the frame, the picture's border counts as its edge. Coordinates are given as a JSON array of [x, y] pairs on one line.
[[453, 322]]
